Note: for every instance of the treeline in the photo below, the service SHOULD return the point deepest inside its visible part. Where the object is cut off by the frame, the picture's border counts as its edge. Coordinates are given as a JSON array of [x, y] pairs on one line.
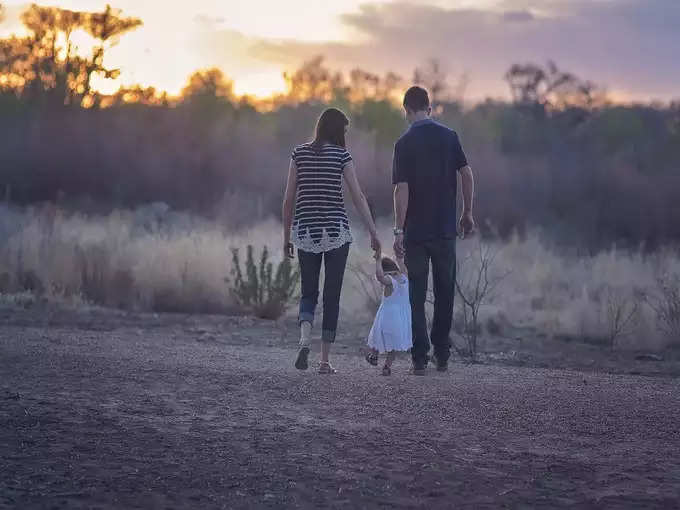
[[559, 156]]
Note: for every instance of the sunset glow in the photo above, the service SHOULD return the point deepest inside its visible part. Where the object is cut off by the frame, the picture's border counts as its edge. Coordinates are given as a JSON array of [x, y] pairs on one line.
[[254, 42]]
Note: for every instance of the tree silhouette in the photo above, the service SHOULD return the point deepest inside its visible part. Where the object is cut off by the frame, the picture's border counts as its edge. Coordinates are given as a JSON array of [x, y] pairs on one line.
[[313, 82], [45, 67], [532, 84], [433, 77], [208, 83]]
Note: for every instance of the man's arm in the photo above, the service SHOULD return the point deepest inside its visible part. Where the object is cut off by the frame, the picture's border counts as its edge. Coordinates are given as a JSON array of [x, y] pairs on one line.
[[400, 181], [467, 222], [468, 185], [400, 204]]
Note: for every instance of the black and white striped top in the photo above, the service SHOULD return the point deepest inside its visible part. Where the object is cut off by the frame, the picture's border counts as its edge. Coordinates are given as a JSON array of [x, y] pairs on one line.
[[320, 223]]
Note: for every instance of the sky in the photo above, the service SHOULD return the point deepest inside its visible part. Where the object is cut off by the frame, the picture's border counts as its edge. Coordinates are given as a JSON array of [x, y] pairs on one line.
[[630, 47]]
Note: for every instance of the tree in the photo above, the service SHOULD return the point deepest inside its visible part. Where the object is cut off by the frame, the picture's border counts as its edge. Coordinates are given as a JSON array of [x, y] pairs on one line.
[[208, 83], [314, 82], [550, 87], [46, 67], [434, 78]]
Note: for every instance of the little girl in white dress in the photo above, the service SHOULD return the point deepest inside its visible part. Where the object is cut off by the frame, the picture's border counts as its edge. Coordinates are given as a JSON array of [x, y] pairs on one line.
[[391, 331]]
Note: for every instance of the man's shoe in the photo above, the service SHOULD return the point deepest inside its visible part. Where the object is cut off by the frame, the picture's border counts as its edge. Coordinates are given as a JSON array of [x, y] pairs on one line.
[[418, 369], [442, 366], [301, 362]]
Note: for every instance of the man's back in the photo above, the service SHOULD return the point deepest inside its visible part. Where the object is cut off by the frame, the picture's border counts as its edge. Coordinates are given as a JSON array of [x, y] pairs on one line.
[[427, 158]]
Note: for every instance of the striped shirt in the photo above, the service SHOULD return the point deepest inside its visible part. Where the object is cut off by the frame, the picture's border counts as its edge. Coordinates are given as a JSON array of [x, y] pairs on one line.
[[320, 223]]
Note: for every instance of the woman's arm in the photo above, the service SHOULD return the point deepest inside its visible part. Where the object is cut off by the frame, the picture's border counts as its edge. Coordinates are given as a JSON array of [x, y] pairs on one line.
[[288, 206], [361, 204]]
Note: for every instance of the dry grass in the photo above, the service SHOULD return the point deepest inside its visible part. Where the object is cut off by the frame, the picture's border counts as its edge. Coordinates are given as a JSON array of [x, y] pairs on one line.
[[154, 259]]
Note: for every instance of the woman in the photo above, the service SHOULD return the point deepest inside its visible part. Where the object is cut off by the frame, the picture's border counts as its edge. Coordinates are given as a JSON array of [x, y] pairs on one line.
[[314, 215]]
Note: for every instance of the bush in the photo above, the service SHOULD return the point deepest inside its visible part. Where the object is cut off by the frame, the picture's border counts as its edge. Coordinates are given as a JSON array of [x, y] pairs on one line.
[[259, 290], [666, 305]]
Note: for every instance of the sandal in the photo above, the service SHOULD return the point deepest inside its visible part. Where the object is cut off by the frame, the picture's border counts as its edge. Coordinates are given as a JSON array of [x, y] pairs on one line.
[[386, 370], [372, 358], [326, 368]]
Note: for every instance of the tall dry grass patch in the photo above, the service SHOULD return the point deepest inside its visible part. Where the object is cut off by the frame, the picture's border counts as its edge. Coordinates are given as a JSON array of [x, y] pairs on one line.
[[154, 259]]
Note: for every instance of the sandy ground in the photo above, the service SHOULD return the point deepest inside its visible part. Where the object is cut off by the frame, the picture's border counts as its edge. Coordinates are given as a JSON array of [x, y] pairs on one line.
[[112, 411]]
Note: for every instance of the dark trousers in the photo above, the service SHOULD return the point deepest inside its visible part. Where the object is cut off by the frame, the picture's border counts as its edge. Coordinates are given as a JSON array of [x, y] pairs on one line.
[[442, 254], [334, 272]]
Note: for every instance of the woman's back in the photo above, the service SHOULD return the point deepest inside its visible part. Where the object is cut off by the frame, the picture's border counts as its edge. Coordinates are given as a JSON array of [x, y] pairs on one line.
[[320, 222]]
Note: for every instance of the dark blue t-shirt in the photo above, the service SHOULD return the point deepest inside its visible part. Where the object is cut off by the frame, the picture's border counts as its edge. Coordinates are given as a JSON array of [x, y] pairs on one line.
[[427, 157]]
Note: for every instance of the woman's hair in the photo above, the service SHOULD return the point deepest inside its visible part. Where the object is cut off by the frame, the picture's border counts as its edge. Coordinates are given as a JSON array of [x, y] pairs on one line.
[[330, 128], [389, 265]]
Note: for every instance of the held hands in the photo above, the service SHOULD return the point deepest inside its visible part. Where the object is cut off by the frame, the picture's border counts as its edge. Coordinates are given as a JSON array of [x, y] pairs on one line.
[[466, 225]]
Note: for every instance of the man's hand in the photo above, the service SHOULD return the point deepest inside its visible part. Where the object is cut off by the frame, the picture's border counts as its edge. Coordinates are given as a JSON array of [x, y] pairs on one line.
[[399, 246], [466, 225]]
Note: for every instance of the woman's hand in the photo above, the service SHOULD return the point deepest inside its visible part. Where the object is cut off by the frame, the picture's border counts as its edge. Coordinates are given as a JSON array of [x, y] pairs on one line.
[[288, 249], [375, 243]]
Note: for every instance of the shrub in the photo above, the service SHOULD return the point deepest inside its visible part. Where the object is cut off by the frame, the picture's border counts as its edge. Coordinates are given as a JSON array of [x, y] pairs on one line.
[[666, 305], [259, 290], [621, 313], [475, 285]]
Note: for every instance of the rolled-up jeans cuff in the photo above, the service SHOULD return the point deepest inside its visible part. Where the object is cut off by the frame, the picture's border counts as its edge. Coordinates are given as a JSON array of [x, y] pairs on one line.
[[306, 317], [327, 336]]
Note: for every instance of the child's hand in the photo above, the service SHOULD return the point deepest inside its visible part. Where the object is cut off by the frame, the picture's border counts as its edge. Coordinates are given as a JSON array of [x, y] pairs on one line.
[[377, 255]]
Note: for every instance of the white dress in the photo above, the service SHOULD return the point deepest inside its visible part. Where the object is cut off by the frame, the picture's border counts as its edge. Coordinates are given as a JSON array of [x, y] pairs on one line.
[[391, 329]]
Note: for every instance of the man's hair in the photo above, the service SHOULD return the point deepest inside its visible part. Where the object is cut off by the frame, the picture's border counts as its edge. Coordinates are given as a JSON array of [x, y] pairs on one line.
[[416, 99]]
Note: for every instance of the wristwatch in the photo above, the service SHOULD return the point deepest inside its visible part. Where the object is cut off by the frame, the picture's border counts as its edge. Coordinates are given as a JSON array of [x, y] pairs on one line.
[[398, 231]]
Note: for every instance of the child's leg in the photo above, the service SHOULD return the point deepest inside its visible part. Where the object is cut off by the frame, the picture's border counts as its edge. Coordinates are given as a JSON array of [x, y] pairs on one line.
[[387, 369]]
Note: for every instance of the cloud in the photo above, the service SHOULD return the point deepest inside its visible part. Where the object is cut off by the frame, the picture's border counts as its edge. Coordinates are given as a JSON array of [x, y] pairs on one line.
[[518, 16], [629, 46]]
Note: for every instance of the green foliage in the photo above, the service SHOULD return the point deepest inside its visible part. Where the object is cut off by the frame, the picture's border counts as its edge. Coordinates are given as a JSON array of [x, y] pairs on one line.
[[258, 289]]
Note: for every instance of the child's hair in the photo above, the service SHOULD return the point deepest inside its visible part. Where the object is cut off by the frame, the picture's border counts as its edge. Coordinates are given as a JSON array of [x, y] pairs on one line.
[[389, 265]]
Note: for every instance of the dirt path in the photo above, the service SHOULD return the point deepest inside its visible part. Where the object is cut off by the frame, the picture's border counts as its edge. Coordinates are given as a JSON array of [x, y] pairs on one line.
[[184, 416]]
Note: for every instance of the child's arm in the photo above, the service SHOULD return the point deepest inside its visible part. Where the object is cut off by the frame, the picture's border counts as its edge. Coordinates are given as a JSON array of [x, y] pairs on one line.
[[379, 273], [402, 265]]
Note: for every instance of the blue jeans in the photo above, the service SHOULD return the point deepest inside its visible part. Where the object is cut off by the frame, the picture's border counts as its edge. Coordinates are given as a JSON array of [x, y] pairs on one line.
[[442, 254], [334, 272]]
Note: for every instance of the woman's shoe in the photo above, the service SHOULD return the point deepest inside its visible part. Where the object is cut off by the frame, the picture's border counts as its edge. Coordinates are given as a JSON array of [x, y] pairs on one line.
[[301, 362], [326, 368]]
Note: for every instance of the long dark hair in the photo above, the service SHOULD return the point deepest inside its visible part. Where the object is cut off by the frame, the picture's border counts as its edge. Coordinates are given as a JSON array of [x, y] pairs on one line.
[[330, 128]]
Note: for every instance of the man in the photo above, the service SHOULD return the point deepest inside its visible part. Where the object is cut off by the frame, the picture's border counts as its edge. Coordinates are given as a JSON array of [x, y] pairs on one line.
[[427, 159]]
